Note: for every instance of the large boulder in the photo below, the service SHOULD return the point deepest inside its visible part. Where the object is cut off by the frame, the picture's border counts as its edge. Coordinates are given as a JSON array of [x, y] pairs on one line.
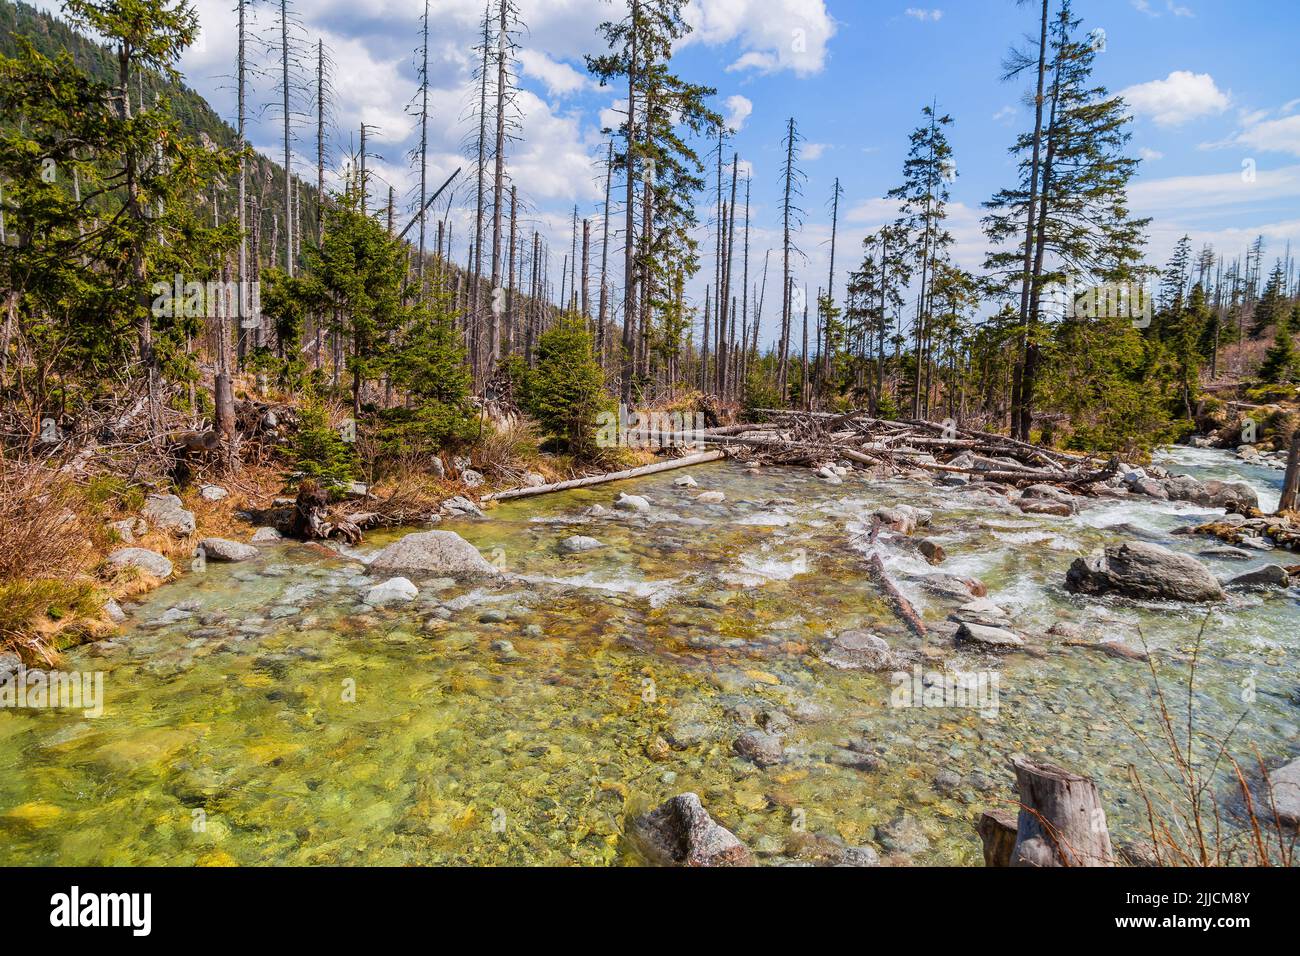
[[167, 513], [219, 549], [681, 833], [442, 554], [1141, 570], [150, 562]]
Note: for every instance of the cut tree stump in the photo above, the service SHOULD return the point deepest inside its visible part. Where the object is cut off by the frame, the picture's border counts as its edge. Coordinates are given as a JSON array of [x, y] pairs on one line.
[[1062, 822], [997, 828], [1291, 485]]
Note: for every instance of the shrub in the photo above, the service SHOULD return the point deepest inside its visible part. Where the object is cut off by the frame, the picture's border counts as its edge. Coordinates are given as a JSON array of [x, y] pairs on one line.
[[320, 453]]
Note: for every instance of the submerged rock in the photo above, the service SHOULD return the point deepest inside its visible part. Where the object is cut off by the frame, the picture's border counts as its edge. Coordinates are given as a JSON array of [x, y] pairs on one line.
[[219, 549], [432, 553], [711, 498], [681, 833], [860, 650], [150, 562], [579, 544], [759, 748], [686, 481], [903, 835], [1141, 570]]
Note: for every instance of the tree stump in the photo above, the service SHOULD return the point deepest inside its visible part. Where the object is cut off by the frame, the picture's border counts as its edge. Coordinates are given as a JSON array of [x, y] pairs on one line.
[[1062, 822], [311, 518], [997, 828]]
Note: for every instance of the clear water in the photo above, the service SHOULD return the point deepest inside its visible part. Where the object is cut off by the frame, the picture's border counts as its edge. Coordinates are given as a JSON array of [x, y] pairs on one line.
[[339, 735]]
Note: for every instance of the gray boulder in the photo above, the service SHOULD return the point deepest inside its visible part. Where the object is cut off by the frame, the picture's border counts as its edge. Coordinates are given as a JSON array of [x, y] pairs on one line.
[[266, 536], [681, 833], [1269, 577], [1141, 570], [219, 549], [461, 507], [167, 513], [150, 562], [1285, 784], [993, 638], [432, 554]]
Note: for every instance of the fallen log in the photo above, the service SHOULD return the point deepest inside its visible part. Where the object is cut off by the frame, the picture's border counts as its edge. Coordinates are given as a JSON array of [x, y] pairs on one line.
[[646, 471], [897, 600], [1061, 822]]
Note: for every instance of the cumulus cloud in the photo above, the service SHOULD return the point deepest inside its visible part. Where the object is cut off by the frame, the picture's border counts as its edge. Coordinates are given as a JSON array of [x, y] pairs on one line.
[[739, 109], [773, 34], [1179, 98]]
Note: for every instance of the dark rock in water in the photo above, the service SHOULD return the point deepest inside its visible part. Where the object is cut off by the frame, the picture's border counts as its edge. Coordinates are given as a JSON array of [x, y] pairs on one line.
[[1268, 578], [947, 781], [681, 833], [759, 748], [854, 760], [932, 551], [1141, 570], [819, 850], [903, 835], [1055, 509]]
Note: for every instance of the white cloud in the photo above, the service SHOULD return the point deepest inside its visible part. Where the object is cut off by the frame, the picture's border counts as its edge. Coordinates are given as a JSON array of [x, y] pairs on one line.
[[925, 16], [773, 34], [1273, 136], [739, 109], [560, 78], [814, 151], [1150, 155], [1176, 9], [1180, 97], [1233, 190], [1005, 115]]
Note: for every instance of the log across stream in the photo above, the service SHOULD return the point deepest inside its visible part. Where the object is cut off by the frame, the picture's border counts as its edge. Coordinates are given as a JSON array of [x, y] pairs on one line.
[[527, 720]]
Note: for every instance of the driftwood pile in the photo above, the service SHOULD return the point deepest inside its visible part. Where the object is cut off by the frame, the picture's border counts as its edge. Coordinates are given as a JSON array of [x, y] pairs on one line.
[[814, 439]]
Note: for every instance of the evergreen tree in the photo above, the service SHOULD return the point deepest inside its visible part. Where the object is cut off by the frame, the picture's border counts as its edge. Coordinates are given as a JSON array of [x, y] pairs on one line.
[[1281, 363], [1271, 309], [566, 391]]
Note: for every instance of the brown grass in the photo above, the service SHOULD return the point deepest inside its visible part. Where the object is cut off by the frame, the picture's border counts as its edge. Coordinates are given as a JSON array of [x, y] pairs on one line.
[[50, 546]]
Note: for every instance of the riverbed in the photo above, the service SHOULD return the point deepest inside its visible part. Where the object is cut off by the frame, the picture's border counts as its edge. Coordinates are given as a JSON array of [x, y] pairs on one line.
[[259, 713]]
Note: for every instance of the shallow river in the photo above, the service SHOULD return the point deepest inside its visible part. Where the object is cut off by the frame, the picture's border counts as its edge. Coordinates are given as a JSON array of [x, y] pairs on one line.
[[257, 714]]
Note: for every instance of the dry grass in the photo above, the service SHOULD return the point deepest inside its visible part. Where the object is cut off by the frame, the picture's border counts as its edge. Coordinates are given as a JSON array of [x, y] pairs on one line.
[[51, 545], [1189, 823]]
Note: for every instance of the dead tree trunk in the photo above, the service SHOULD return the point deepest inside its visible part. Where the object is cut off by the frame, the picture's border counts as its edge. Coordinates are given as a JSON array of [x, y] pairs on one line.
[[1062, 822], [1291, 486], [997, 829]]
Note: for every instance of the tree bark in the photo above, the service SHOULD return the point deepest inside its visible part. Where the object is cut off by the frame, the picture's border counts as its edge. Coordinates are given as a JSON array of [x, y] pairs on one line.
[[1291, 486], [1062, 822]]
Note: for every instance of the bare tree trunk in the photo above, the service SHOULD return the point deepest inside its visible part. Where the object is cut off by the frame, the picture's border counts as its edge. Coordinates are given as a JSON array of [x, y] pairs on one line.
[[498, 184], [509, 335], [629, 242], [586, 259], [604, 260], [424, 145], [288, 144], [1291, 486], [1017, 398]]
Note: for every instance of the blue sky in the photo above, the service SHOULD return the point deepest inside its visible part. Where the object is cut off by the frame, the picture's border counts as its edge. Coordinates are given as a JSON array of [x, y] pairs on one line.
[[1213, 85]]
